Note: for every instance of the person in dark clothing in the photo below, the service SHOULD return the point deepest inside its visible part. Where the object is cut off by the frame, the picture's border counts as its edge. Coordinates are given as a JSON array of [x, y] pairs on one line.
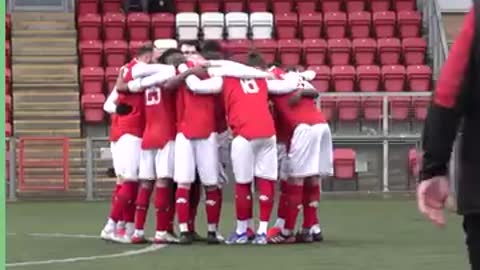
[[456, 102]]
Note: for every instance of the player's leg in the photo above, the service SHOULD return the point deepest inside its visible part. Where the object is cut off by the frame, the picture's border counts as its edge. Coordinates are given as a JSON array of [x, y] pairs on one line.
[[129, 147], [283, 184], [147, 176], [266, 174], [195, 195], [184, 176], [164, 168], [243, 161], [206, 156]]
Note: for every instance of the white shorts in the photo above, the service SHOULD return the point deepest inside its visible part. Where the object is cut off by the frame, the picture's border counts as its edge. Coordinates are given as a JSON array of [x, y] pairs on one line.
[[223, 140], [127, 156], [199, 154], [115, 161], [252, 158], [311, 151], [282, 161], [157, 163]]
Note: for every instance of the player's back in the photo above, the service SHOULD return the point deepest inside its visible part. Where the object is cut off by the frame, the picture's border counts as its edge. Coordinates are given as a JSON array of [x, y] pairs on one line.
[[246, 102], [305, 111]]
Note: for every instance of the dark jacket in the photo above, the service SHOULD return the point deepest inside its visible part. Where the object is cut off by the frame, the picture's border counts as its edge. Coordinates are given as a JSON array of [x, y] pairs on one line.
[[457, 100]]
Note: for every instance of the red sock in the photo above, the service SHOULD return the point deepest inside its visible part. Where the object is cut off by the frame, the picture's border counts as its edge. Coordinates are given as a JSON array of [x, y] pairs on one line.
[[182, 205], [163, 205], [243, 201], [131, 190], [171, 209], [125, 195], [116, 212], [220, 204], [212, 205], [142, 204], [115, 192], [295, 194], [266, 190], [311, 198], [283, 200], [195, 193]]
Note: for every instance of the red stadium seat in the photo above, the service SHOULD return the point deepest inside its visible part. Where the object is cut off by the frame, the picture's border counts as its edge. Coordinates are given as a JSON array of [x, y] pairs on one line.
[[111, 74], [348, 109], [138, 26], [282, 6], [91, 53], [116, 53], [355, 5], [419, 78], [321, 82], [404, 5], [343, 78], [360, 23], [239, 49], [8, 81], [209, 5], [286, 25], [328, 106], [409, 23], [163, 25], [372, 108], [364, 51], [92, 105], [306, 6], [339, 51], [185, 5], [8, 26], [400, 108], [89, 26], [290, 51], [344, 163], [233, 5], [335, 24], [384, 23], [111, 6], [311, 25], [368, 78], [114, 25], [414, 50], [8, 129], [420, 107], [87, 6], [331, 5], [379, 5], [268, 49], [8, 53], [92, 79], [258, 5], [314, 51], [393, 78], [389, 50], [135, 45]]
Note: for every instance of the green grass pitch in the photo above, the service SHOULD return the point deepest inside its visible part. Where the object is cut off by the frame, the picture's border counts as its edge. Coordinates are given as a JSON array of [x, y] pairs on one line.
[[360, 235]]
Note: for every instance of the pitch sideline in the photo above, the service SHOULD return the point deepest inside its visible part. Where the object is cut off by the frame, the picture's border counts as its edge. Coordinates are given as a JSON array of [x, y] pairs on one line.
[[127, 253]]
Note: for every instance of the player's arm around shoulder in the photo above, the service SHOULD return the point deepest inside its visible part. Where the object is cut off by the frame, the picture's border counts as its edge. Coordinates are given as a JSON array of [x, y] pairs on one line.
[[287, 85]]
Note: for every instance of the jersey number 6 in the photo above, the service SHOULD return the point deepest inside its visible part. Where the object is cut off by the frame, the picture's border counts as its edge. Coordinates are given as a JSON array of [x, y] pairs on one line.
[[152, 96], [249, 86]]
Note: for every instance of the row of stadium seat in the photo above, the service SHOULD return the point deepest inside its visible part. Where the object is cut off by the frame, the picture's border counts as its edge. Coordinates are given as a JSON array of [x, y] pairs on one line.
[[237, 25], [301, 6], [8, 78], [389, 51], [415, 78]]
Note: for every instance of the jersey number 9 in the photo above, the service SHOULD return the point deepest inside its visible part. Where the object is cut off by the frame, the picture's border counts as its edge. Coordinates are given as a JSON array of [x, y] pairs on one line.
[[152, 96], [249, 86]]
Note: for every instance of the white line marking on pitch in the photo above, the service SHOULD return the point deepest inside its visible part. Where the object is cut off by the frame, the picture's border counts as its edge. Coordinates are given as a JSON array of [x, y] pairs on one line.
[[127, 253]]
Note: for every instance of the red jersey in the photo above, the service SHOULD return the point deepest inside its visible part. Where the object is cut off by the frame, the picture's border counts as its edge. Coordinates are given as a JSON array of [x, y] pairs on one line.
[[159, 118], [220, 119], [195, 113], [246, 103], [132, 123]]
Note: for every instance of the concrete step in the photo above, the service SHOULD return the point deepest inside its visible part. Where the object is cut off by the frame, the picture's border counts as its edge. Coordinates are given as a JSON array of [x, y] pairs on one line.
[[35, 107], [54, 124], [43, 59], [45, 74], [29, 33], [40, 97], [46, 114], [46, 46], [48, 132], [43, 21]]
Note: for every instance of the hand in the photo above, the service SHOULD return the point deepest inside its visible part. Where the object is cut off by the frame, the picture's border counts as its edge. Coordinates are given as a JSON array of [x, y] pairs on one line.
[[198, 70], [123, 109], [295, 99], [121, 86], [432, 195]]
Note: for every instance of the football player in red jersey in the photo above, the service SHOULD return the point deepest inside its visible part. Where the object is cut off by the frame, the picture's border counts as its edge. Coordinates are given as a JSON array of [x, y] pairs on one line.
[[254, 154], [309, 158]]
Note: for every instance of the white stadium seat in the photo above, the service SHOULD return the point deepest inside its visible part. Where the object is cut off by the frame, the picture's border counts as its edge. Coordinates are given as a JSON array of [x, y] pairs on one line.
[[187, 25], [163, 44], [237, 25], [261, 24], [212, 25]]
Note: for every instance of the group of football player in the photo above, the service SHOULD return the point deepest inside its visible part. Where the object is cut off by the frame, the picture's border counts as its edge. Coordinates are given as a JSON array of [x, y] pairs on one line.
[[178, 119]]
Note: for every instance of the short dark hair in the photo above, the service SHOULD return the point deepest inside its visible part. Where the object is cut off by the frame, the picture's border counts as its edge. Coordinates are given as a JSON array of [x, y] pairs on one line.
[[163, 58], [212, 46], [193, 43], [255, 59], [147, 48]]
